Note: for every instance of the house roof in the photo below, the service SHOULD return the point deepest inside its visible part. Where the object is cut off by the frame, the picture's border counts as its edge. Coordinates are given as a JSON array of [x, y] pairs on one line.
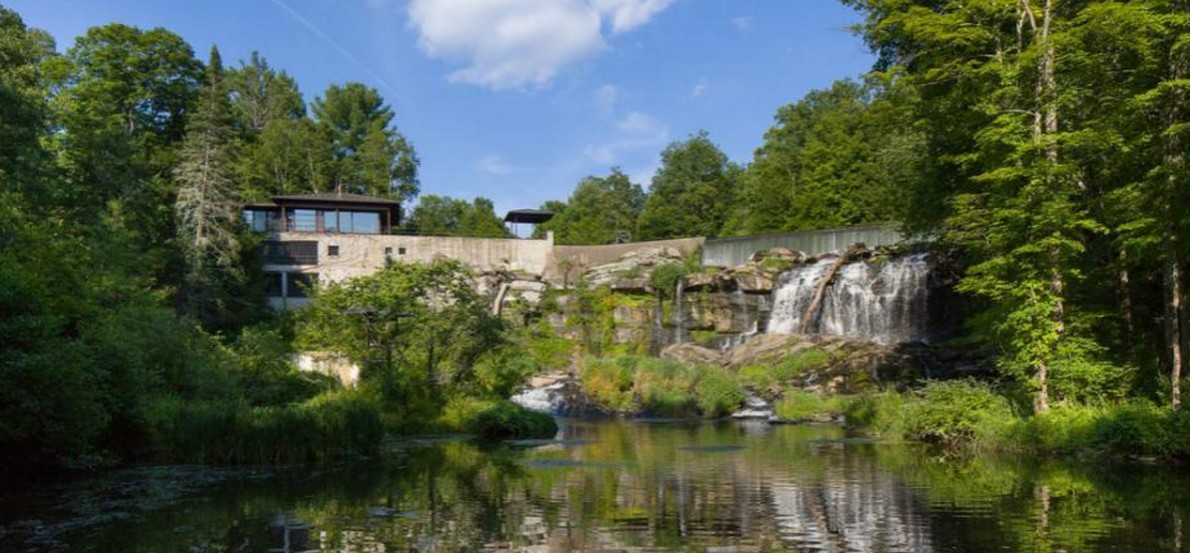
[[337, 197], [535, 216]]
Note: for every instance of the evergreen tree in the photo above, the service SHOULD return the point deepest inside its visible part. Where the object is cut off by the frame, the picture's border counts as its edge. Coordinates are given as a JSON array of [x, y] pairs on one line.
[[369, 155]]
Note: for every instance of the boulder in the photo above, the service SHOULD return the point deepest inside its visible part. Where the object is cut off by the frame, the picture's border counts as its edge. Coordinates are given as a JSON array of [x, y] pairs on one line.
[[754, 282], [692, 354]]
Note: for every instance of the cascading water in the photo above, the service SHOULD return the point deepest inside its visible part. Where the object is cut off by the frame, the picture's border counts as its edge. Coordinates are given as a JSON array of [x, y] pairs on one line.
[[678, 316], [884, 303]]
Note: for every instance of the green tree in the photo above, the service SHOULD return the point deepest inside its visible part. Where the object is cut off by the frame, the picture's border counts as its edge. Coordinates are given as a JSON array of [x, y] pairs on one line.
[[601, 210], [23, 110], [446, 216], [417, 329], [840, 156], [692, 192], [370, 156], [261, 95]]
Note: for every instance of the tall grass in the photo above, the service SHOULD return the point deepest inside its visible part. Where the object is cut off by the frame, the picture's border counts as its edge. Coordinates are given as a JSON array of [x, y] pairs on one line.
[[764, 376], [328, 427], [661, 387]]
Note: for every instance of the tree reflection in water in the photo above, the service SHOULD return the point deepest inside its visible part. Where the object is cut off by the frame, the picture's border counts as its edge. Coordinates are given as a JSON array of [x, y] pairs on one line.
[[651, 486]]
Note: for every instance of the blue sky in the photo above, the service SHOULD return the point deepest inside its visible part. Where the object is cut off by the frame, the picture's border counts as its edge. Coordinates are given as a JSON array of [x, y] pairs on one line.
[[516, 100]]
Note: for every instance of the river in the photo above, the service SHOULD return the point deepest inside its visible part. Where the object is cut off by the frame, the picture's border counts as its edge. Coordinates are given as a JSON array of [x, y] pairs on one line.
[[622, 486]]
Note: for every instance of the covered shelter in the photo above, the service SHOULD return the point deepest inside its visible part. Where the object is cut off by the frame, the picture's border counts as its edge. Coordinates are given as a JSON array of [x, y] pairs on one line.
[[530, 216]]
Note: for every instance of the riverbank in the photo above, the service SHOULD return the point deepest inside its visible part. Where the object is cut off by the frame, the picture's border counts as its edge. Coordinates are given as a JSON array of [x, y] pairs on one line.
[[959, 414]]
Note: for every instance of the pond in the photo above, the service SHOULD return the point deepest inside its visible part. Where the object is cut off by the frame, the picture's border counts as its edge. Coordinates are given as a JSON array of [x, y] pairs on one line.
[[622, 486]]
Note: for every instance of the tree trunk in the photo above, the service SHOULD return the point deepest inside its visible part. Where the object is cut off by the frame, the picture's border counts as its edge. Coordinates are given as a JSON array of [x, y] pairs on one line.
[[1126, 310], [1174, 313], [810, 317], [1045, 129], [1175, 304]]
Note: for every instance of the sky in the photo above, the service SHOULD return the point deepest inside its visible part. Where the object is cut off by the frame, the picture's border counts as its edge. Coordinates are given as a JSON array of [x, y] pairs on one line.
[[517, 100]]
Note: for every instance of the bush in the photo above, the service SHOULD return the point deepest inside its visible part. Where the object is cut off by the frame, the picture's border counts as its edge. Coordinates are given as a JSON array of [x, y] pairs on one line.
[[506, 420], [957, 413], [718, 390]]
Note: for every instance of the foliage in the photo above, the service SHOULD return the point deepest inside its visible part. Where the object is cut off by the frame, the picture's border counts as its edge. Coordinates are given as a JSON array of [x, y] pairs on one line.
[[789, 367], [955, 414], [798, 405], [369, 155], [660, 387], [601, 210], [837, 157], [326, 428], [507, 420], [692, 192], [445, 216]]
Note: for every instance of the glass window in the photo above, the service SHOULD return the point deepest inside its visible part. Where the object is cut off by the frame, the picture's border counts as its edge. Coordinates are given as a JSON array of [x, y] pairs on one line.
[[303, 220], [300, 283], [330, 221], [258, 221], [332, 250], [363, 222]]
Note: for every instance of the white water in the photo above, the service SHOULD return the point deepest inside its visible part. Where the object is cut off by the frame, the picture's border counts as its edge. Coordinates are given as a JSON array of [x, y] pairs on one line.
[[885, 304], [546, 400]]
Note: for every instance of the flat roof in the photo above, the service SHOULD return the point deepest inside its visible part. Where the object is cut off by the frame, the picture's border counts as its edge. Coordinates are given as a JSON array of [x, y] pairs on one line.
[[535, 216], [336, 197]]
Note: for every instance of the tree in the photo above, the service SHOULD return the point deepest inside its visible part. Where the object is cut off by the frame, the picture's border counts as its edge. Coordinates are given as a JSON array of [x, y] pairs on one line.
[[261, 95], [207, 206], [370, 156], [446, 216], [415, 329], [692, 192], [601, 210], [840, 156], [23, 110]]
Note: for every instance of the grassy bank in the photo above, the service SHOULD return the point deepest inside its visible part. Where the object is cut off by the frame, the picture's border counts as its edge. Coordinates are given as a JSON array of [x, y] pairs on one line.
[[970, 415]]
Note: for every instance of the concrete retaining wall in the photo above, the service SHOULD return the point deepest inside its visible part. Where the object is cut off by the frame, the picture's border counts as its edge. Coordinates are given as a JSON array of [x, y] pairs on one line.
[[362, 254], [729, 252], [578, 258]]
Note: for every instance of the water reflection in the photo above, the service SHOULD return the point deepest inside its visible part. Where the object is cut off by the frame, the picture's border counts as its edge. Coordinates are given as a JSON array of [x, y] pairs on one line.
[[611, 486]]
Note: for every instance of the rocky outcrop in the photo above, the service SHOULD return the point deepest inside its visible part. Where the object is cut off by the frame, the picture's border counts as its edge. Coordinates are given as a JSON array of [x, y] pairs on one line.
[[692, 354], [631, 272]]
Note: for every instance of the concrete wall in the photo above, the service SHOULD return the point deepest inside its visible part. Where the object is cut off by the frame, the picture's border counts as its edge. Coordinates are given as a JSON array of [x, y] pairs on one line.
[[362, 254], [582, 257], [728, 252]]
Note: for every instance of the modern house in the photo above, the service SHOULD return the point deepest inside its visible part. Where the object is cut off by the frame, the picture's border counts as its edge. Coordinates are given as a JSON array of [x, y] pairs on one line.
[[316, 238]]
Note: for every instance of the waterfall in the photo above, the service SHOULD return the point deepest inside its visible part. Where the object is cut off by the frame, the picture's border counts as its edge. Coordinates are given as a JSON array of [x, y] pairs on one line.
[[677, 318], [884, 304]]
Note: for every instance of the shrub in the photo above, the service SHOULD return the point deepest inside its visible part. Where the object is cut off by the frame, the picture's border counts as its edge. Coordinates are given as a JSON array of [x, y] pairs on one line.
[[956, 413], [507, 420], [718, 390]]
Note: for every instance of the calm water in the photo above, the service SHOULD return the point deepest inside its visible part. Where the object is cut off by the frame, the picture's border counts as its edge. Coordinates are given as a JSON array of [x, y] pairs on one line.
[[613, 486]]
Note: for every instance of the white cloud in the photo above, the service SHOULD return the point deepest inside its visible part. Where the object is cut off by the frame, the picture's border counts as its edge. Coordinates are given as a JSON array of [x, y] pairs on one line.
[[513, 43], [627, 15], [606, 98], [742, 22], [700, 88], [637, 132], [494, 164]]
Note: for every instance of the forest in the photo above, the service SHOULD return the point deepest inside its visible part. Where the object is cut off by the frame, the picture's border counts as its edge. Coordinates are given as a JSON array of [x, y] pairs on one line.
[[1041, 144]]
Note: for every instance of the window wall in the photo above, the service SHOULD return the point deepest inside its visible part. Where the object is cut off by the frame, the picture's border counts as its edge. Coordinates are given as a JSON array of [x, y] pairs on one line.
[[320, 220]]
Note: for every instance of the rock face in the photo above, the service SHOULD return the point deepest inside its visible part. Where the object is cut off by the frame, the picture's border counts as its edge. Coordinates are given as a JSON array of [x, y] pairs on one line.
[[692, 354], [631, 272]]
